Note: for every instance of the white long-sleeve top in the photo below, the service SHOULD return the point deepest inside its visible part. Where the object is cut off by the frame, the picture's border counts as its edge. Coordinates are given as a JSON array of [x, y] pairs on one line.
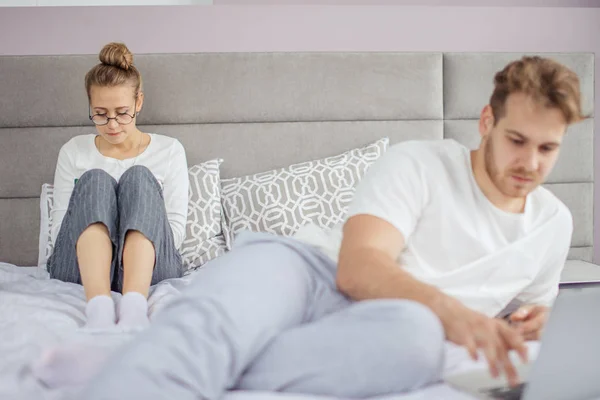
[[164, 157]]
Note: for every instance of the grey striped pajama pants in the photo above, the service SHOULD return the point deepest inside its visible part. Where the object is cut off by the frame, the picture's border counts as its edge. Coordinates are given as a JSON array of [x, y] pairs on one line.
[[134, 203]]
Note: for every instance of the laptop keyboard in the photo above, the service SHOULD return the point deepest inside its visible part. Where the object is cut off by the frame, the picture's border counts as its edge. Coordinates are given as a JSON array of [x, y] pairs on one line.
[[506, 393]]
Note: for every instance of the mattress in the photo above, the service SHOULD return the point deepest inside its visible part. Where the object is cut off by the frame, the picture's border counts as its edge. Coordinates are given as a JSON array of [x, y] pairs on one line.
[[37, 312]]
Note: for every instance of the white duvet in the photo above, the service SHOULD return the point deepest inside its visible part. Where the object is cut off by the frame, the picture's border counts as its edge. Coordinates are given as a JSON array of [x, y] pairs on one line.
[[37, 312]]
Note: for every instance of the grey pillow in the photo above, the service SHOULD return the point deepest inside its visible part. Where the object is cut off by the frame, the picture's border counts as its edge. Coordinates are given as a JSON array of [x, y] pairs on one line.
[[204, 239], [281, 201]]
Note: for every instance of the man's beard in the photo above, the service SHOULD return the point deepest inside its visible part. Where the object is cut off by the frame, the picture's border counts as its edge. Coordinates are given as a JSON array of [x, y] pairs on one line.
[[497, 177]]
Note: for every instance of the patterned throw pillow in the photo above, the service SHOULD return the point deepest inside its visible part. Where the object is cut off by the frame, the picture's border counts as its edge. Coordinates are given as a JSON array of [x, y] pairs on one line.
[[281, 201], [204, 239], [45, 242]]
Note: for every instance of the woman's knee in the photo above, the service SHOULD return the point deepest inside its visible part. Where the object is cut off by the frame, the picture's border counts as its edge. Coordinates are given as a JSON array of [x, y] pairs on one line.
[[95, 187], [96, 175], [136, 171], [94, 200], [138, 181], [136, 175]]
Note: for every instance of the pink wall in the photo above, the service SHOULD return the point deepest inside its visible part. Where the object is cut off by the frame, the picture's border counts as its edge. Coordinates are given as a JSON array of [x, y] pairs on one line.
[[83, 30], [60, 30]]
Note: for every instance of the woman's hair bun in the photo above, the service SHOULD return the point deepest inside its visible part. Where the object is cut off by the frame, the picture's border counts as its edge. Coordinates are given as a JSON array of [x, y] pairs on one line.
[[117, 55]]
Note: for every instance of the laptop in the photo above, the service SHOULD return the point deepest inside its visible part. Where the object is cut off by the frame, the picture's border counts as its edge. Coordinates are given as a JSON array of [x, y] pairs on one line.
[[566, 367]]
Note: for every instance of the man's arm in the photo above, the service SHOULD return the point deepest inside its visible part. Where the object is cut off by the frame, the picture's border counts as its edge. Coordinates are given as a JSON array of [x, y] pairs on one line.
[[367, 269], [367, 264], [385, 210]]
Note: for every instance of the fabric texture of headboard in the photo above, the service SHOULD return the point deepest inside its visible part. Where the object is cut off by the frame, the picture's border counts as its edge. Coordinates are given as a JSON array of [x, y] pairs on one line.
[[259, 111]]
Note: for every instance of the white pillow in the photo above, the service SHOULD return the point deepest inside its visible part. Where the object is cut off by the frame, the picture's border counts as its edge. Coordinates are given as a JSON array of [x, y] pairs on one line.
[[204, 238], [281, 201]]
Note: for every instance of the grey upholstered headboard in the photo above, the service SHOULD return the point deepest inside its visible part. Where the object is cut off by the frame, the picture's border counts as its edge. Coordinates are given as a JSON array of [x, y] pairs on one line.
[[260, 111]]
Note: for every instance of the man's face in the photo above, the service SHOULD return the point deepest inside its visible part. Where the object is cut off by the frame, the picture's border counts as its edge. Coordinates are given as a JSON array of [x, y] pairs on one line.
[[522, 148]]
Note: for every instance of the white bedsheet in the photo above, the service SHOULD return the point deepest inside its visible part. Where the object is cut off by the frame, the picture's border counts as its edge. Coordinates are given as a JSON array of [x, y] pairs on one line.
[[37, 312]]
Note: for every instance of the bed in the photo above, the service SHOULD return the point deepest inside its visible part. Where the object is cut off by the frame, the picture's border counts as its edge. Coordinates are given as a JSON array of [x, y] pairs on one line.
[[256, 112]]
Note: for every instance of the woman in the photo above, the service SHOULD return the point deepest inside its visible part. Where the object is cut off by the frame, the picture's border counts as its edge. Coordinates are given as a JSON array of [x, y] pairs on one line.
[[121, 199]]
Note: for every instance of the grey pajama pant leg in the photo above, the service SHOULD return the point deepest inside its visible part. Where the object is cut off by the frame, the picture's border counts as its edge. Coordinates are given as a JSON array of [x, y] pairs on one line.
[[134, 203], [142, 208], [231, 328], [371, 348], [94, 200]]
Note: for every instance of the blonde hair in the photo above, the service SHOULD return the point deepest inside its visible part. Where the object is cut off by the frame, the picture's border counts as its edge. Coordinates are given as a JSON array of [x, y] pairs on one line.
[[116, 68], [548, 82]]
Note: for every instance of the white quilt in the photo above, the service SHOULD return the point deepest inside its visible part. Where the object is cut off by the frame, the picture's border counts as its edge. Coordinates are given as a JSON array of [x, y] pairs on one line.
[[37, 312]]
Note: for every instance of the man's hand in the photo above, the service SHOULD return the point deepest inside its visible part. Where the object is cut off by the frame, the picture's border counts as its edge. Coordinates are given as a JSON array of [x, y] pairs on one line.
[[474, 331], [368, 269], [529, 320]]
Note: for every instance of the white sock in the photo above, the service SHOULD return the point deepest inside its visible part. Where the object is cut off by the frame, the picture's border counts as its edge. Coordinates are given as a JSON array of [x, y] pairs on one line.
[[133, 311], [100, 312]]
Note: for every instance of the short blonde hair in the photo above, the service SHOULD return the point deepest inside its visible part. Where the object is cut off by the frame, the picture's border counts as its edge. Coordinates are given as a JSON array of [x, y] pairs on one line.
[[548, 82]]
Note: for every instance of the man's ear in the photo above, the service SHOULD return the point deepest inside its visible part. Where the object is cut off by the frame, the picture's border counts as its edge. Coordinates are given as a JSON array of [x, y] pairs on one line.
[[486, 121]]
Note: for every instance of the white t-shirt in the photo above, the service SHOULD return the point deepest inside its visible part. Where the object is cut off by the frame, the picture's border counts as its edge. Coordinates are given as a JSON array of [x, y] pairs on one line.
[[164, 157], [456, 239]]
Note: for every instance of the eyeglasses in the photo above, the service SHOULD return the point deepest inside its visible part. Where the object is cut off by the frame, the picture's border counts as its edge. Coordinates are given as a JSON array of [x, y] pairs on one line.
[[121, 118]]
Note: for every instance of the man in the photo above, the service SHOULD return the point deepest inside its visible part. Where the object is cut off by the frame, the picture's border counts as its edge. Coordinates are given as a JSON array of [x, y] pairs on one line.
[[438, 241]]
